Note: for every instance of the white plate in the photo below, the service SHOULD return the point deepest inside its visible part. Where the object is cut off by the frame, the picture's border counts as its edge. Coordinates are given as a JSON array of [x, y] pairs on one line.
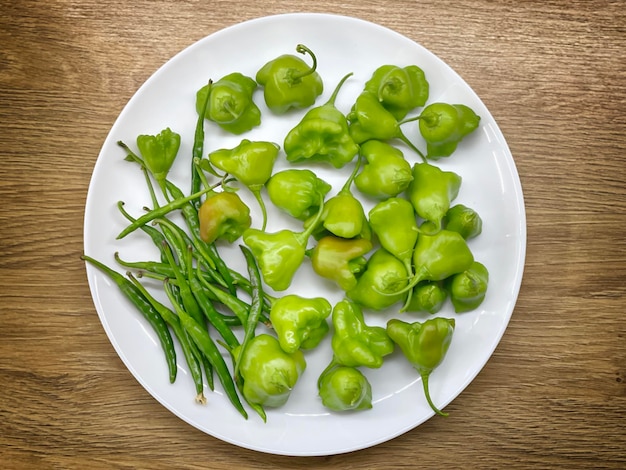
[[490, 185]]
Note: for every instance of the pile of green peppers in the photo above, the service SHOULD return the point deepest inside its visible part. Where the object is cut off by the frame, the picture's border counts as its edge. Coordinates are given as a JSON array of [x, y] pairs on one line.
[[411, 249]]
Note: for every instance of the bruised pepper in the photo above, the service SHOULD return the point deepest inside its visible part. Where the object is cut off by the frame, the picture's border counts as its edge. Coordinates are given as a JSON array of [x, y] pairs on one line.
[[230, 103], [386, 173], [297, 192], [289, 82], [424, 345], [322, 136], [300, 322], [468, 288], [431, 192], [281, 253], [399, 89], [159, 152], [444, 125], [251, 163]]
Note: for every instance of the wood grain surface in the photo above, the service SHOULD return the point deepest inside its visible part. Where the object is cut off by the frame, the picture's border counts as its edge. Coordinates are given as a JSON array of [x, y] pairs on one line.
[[553, 74]]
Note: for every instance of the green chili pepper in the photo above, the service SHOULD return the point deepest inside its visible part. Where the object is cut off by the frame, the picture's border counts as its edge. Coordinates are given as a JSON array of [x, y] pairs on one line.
[[230, 103], [444, 125], [299, 322], [322, 136], [269, 373], [383, 282], [468, 288], [386, 173], [355, 343], [297, 192], [431, 192], [289, 82], [424, 345], [339, 259], [399, 89], [280, 254], [223, 215], [463, 220], [344, 388], [427, 297], [251, 163], [159, 152]]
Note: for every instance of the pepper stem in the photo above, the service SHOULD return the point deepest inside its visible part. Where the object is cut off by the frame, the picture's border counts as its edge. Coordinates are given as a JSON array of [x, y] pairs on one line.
[[259, 198], [410, 144], [302, 49], [428, 399], [303, 237], [346, 186], [331, 100]]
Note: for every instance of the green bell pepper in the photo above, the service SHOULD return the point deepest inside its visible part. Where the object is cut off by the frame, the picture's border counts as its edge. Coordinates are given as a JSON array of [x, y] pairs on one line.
[[383, 282], [355, 343], [297, 192], [159, 152], [223, 215], [230, 103], [468, 288], [299, 322], [386, 173], [344, 388], [269, 373], [322, 136], [444, 125], [340, 259], [399, 89], [424, 345], [251, 163], [431, 192], [289, 82]]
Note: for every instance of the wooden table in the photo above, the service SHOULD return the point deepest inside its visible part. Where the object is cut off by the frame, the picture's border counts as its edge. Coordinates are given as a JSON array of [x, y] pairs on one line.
[[553, 74]]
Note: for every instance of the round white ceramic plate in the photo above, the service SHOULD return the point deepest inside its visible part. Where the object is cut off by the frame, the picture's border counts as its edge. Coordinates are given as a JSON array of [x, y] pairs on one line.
[[490, 185]]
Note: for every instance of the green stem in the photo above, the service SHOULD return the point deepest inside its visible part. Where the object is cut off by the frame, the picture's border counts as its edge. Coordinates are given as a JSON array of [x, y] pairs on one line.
[[302, 49], [331, 100], [259, 198], [348, 184], [303, 237], [428, 399]]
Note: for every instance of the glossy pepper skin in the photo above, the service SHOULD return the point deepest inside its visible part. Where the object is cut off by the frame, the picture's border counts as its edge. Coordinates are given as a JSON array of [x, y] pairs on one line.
[[339, 259], [289, 82], [251, 163], [425, 346], [383, 282], [322, 136], [224, 216], [469, 288], [300, 322], [159, 152], [230, 103], [432, 191], [281, 253], [444, 125], [269, 373], [464, 220], [399, 89], [427, 297], [370, 120], [355, 343], [344, 388], [297, 192], [386, 174]]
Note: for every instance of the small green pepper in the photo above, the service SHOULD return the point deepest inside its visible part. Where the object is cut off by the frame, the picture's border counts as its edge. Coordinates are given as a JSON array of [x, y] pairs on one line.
[[322, 136], [289, 82], [425, 345], [355, 343], [463, 220], [230, 103], [399, 89], [223, 215], [280, 254], [269, 373], [344, 388], [340, 259], [427, 297], [251, 163], [383, 282], [431, 192], [297, 192], [386, 173], [444, 125], [468, 288], [299, 322], [159, 152]]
